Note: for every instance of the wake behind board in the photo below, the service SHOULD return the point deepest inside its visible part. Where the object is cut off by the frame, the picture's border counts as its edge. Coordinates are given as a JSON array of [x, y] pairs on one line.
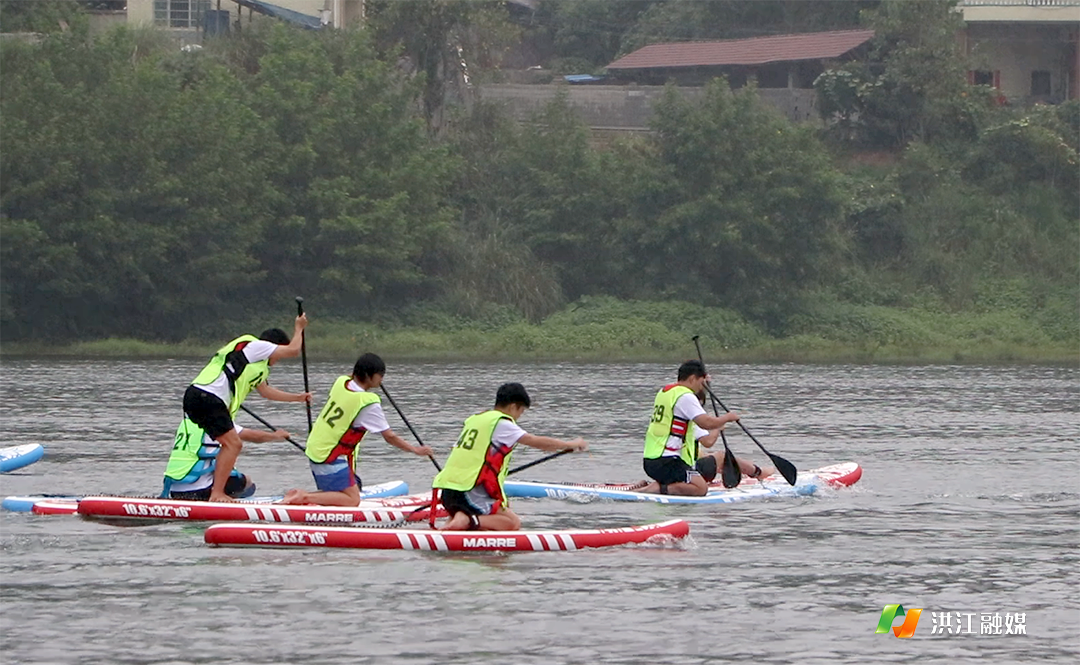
[[16, 457], [273, 535], [846, 473], [112, 508], [393, 493]]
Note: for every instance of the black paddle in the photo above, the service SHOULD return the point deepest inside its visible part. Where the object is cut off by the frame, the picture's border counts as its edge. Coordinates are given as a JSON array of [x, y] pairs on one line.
[[406, 421], [786, 468], [303, 360], [539, 461], [730, 475], [256, 417]]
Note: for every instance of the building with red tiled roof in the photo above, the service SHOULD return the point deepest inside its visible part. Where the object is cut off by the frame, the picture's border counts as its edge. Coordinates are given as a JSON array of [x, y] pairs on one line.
[[781, 61]]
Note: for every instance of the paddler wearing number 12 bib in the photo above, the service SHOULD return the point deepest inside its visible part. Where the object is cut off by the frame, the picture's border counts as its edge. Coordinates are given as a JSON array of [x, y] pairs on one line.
[[471, 483], [351, 411]]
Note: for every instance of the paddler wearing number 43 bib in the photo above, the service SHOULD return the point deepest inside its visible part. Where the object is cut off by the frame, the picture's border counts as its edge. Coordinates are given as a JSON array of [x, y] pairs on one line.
[[472, 480], [671, 451], [351, 411]]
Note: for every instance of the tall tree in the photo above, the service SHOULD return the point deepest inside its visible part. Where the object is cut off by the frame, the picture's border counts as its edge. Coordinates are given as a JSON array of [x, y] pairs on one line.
[[447, 41], [912, 84]]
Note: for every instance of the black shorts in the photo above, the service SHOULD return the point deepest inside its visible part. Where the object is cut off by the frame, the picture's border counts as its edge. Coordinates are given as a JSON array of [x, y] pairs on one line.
[[457, 502], [235, 486], [207, 411], [668, 470]]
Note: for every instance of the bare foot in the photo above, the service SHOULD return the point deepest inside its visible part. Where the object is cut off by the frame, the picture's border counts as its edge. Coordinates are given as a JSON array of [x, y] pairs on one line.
[[459, 522], [294, 497], [221, 498]]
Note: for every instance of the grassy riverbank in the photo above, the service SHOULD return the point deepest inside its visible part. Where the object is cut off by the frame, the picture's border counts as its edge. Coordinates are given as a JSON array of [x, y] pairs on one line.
[[604, 329]]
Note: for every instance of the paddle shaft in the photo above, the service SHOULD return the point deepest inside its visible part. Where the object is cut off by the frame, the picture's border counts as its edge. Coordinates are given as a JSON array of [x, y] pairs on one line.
[[256, 417], [786, 468], [303, 360], [408, 424], [539, 461], [738, 422], [730, 475]]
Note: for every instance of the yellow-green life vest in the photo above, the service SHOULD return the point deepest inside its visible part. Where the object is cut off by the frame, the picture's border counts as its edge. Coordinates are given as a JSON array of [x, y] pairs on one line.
[[336, 418], [469, 455], [663, 426], [242, 377], [186, 448]]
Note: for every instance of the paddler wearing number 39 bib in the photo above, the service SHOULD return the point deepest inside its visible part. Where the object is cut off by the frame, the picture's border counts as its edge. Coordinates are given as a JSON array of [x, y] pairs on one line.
[[670, 444], [351, 411], [471, 483]]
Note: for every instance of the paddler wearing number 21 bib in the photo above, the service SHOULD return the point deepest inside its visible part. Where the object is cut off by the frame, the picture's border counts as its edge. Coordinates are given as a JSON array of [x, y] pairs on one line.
[[472, 480], [352, 410]]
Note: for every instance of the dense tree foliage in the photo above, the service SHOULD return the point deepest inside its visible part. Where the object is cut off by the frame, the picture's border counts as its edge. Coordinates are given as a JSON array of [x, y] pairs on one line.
[[911, 85], [42, 16], [163, 194], [154, 193]]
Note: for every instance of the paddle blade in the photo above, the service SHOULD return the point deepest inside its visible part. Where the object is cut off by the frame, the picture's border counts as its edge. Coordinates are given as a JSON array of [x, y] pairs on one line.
[[786, 468], [729, 472]]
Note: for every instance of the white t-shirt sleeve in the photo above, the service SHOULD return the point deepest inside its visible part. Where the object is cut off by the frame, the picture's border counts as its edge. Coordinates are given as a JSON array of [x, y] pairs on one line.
[[699, 433], [688, 407], [506, 433], [372, 418], [259, 350]]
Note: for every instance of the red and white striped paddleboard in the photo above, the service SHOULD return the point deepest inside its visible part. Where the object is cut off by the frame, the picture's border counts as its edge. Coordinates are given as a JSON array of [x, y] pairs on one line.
[[118, 507], [274, 535]]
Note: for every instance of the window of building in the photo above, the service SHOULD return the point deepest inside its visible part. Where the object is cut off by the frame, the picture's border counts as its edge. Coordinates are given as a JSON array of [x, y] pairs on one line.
[[1040, 83], [180, 13], [983, 78]]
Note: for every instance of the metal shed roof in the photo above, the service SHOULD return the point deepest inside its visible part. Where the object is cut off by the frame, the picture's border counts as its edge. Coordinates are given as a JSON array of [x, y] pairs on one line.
[[754, 51]]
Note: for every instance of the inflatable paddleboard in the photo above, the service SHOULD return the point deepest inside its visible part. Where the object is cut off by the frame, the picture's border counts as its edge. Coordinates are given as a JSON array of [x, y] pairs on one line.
[[115, 507], [273, 535], [16, 457], [749, 489], [60, 504]]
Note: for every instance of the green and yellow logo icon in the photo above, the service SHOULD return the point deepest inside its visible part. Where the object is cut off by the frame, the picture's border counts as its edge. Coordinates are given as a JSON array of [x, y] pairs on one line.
[[889, 614]]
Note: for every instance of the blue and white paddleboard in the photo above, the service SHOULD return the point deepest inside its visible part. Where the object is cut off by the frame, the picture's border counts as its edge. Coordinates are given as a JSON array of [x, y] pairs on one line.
[[836, 475], [25, 504], [525, 489], [16, 457]]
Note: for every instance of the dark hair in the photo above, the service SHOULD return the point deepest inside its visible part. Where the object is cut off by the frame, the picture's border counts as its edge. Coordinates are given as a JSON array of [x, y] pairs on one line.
[[512, 393], [691, 368], [275, 335], [368, 365]]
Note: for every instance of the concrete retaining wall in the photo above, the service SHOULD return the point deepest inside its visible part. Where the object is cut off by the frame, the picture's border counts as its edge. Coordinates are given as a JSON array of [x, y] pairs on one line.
[[629, 108]]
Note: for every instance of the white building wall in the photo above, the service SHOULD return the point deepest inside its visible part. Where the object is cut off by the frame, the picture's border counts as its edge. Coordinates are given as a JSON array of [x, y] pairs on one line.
[[1017, 50]]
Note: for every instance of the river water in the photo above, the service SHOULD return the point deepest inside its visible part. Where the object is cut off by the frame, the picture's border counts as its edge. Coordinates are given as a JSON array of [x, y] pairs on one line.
[[969, 503]]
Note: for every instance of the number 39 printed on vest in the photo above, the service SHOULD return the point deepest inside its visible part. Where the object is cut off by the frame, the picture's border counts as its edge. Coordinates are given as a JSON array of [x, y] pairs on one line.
[[658, 413]]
